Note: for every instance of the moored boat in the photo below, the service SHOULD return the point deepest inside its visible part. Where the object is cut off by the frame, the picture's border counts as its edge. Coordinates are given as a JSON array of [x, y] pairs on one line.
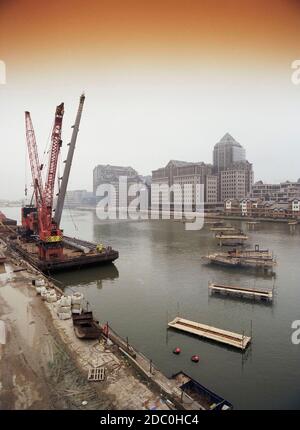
[[2, 258], [85, 326], [202, 397]]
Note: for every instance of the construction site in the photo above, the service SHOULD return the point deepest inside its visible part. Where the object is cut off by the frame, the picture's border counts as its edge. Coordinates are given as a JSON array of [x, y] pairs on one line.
[[40, 239], [69, 359]]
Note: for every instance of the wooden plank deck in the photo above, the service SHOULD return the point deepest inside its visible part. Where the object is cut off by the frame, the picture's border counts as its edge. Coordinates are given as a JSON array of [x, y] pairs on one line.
[[221, 229], [231, 236], [223, 336], [247, 292], [239, 260]]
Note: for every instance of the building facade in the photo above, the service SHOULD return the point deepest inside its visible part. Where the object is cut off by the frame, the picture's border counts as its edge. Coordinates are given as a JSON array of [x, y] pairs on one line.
[[75, 198], [229, 177], [187, 176], [227, 152], [235, 173], [256, 208], [236, 181], [121, 179], [284, 191]]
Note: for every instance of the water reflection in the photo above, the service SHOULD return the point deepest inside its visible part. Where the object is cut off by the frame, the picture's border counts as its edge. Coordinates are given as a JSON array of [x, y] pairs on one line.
[[89, 276]]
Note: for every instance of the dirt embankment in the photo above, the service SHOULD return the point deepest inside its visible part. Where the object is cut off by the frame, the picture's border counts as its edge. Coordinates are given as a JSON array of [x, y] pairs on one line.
[[36, 372], [44, 366]]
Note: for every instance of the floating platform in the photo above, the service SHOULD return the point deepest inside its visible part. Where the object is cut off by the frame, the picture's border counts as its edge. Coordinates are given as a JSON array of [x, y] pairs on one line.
[[77, 254], [223, 336], [223, 259], [255, 253], [214, 223], [252, 293], [221, 229], [231, 239], [258, 258]]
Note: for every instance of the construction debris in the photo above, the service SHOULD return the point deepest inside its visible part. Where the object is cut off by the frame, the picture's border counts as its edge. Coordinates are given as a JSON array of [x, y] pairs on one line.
[[96, 374]]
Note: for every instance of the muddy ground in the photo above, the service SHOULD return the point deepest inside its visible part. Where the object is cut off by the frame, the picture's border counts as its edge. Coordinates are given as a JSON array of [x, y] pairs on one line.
[[36, 372], [44, 366]]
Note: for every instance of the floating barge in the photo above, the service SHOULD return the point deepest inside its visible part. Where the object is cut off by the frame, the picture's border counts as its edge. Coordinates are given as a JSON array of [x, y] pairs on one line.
[[255, 253], [251, 293], [77, 254], [231, 239], [223, 336], [198, 395], [221, 229], [236, 258], [215, 223]]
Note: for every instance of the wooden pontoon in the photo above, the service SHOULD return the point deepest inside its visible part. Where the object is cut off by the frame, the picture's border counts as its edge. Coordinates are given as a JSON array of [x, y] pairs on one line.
[[221, 229], [242, 292], [223, 336], [231, 239], [255, 253], [223, 259], [214, 223], [239, 258]]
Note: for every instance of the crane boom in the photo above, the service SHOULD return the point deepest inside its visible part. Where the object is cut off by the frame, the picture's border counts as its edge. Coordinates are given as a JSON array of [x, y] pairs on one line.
[[38, 222], [53, 160], [65, 179], [34, 160]]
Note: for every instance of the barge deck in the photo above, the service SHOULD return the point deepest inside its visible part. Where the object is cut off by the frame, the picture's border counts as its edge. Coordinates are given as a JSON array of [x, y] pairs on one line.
[[231, 239], [73, 257], [202, 330], [241, 291], [236, 258]]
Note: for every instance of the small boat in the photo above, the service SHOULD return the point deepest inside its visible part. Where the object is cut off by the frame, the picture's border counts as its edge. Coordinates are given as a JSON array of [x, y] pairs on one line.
[[203, 398], [85, 326], [7, 221], [2, 258]]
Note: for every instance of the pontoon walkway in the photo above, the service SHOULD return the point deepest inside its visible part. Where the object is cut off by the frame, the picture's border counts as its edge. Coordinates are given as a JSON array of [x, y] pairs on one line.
[[233, 339], [246, 292]]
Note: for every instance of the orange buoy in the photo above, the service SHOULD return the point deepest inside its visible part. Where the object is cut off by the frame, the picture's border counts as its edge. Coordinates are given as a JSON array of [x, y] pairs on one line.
[[195, 358], [177, 351]]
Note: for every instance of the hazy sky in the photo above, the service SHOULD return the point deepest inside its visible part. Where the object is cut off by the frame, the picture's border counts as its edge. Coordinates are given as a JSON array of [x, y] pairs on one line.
[[163, 80]]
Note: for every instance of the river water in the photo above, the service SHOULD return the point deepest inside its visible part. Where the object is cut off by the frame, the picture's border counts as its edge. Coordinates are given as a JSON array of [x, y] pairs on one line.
[[159, 274]]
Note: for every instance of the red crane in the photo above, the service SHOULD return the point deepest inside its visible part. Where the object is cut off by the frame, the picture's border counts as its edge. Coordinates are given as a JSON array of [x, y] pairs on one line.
[[34, 160], [39, 219], [29, 213]]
